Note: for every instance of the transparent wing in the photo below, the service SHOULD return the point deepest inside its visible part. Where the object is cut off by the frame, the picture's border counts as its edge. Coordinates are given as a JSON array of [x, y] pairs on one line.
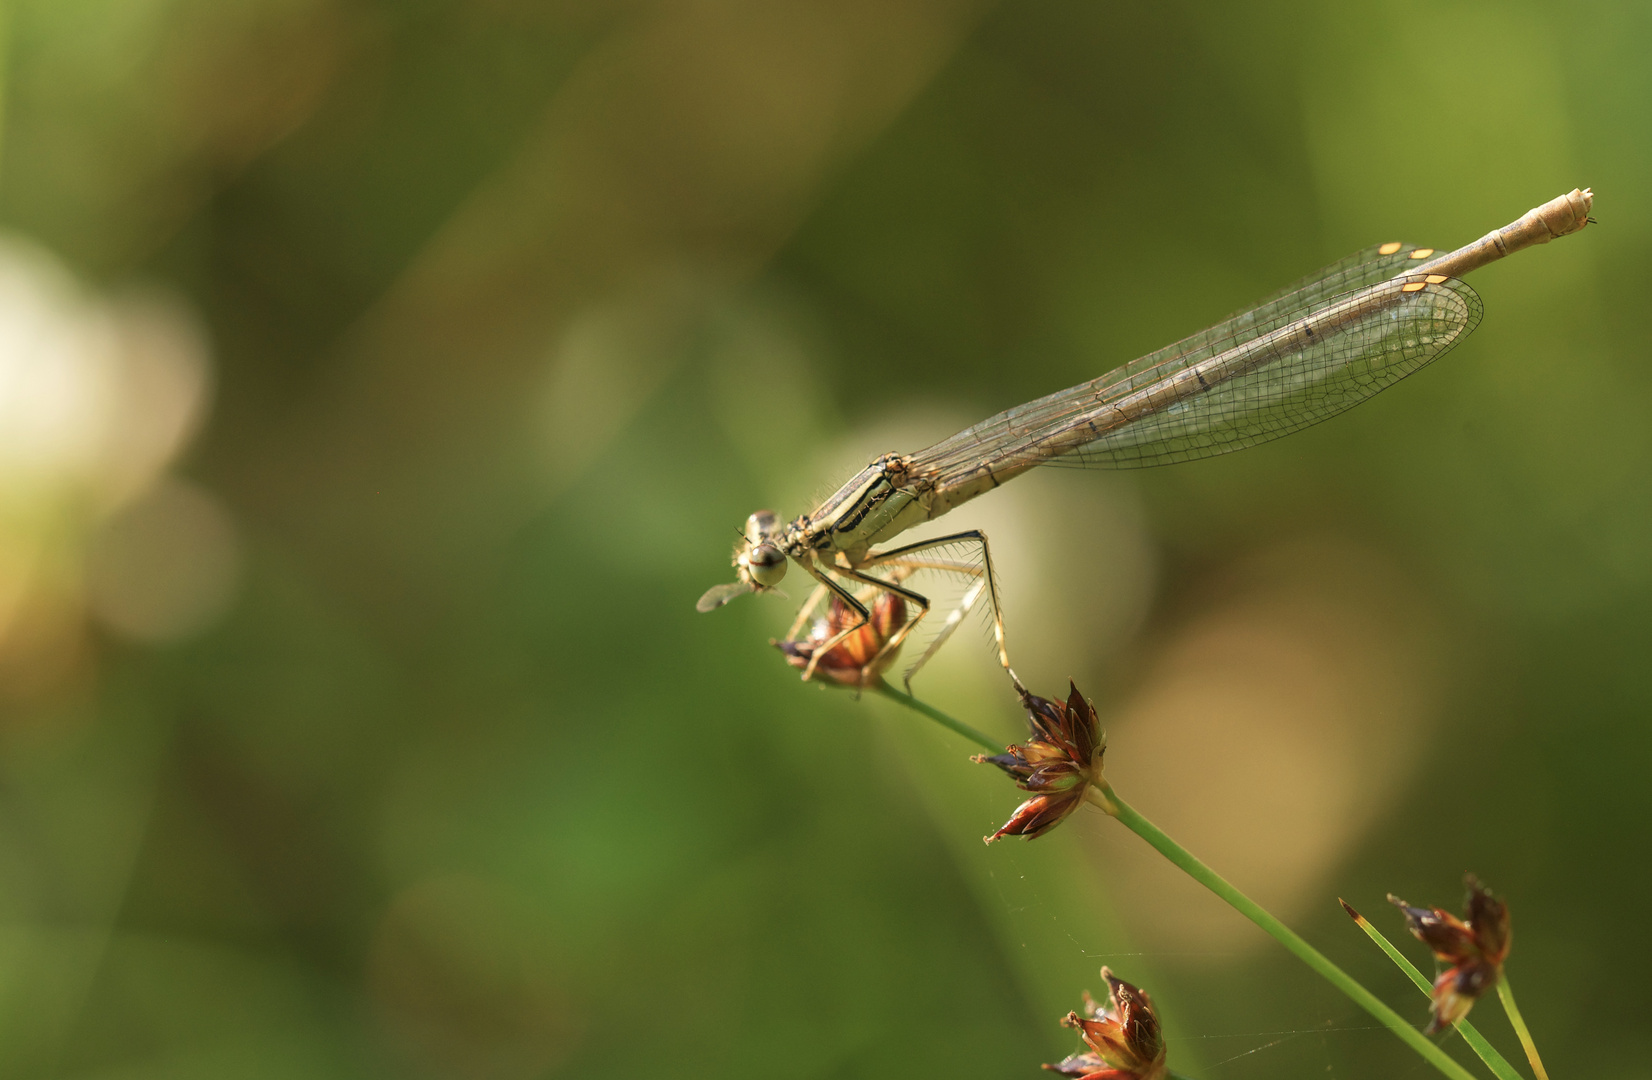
[[1298, 389], [1360, 270], [718, 595], [1379, 262], [1288, 389]]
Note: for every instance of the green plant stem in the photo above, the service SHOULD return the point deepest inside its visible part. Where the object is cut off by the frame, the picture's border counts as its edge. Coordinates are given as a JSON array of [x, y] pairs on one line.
[[5, 68], [1471, 1035], [1506, 993], [993, 746], [1104, 796]]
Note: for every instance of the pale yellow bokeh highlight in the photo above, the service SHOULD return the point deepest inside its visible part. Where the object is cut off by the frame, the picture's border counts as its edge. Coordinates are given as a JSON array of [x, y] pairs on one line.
[[1273, 727], [165, 567], [98, 397]]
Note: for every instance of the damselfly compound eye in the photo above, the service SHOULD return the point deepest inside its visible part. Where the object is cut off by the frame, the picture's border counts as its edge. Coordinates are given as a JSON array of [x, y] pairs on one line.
[[767, 565]]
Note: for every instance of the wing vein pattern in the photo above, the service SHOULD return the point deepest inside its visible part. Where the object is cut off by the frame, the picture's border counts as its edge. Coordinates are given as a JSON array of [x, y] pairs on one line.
[[1284, 390]]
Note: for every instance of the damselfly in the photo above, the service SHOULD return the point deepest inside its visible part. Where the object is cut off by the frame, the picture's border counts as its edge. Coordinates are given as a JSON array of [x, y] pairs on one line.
[[1305, 353]]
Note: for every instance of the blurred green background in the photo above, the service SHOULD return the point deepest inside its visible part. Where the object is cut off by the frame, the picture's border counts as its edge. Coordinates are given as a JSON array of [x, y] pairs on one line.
[[381, 383]]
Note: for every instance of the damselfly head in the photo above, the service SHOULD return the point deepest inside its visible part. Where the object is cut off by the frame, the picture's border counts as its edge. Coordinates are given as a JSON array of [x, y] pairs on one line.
[[761, 526], [758, 559], [765, 564]]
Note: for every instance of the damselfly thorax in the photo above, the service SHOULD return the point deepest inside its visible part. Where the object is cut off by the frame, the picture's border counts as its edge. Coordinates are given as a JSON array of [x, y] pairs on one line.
[[1306, 353]]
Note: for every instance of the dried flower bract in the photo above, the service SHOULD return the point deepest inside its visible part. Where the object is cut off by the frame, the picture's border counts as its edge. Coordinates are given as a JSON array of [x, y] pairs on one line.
[[1123, 1036], [1475, 949], [860, 659], [1057, 764]]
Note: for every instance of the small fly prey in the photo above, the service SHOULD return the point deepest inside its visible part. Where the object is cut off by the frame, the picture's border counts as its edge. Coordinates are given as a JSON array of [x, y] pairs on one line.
[[1306, 353]]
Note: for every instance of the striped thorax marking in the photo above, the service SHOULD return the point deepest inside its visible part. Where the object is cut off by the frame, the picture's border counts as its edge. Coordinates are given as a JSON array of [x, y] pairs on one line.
[[859, 513]]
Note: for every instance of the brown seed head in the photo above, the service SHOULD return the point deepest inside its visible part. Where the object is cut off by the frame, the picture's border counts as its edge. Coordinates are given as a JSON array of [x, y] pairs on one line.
[[1123, 1036], [858, 660], [1058, 763], [1474, 950]]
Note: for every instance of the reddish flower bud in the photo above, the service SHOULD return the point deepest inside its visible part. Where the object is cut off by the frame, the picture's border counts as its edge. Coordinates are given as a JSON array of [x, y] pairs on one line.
[[1057, 764], [1474, 950], [1123, 1036], [854, 661]]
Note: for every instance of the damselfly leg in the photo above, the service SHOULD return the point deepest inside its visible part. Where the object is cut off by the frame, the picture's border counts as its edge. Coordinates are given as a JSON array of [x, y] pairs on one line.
[[823, 572], [816, 595], [987, 583], [900, 563]]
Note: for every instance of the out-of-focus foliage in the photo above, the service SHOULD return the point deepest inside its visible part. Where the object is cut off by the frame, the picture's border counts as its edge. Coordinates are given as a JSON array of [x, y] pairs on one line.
[[381, 382]]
